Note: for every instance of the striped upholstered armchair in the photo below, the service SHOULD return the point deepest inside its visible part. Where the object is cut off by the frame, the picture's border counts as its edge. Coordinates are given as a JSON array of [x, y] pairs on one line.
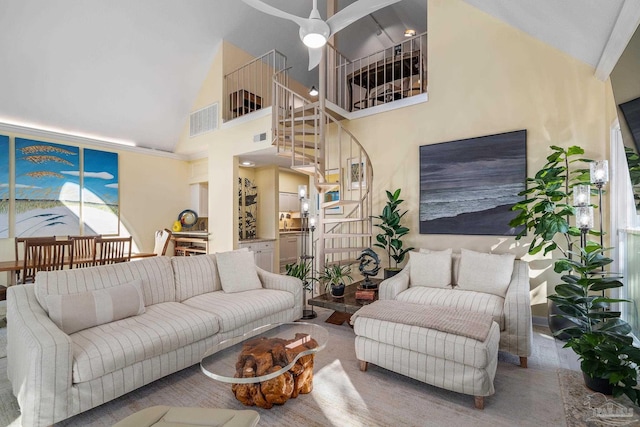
[[488, 283]]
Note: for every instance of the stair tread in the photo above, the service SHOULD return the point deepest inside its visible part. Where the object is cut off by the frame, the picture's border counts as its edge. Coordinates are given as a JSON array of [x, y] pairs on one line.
[[306, 169], [335, 203], [341, 235], [342, 220], [345, 249], [296, 155]]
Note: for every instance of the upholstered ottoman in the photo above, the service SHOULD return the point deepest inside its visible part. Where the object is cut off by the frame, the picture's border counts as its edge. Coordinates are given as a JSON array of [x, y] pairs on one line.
[[453, 349], [167, 416]]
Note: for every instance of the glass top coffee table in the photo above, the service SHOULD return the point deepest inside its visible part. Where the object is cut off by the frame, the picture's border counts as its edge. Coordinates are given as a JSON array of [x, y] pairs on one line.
[[267, 365]]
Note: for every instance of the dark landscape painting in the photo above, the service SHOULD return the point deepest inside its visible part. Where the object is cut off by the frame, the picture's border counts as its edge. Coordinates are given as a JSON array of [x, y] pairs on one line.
[[468, 186]]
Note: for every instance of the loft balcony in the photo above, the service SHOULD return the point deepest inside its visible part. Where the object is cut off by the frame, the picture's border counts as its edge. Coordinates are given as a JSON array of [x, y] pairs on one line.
[[398, 73]]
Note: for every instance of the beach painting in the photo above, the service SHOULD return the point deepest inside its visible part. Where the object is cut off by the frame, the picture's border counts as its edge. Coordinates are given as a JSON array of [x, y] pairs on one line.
[[47, 189], [100, 197], [333, 176], [468, 186], [4, 186]]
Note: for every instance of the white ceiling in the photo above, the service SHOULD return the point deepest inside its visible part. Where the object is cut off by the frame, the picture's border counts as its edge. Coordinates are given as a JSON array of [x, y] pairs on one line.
[[131, 69]]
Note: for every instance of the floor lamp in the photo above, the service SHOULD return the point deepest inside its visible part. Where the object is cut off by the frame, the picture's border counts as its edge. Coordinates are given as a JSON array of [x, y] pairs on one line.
[[599, 172], [308, 225]]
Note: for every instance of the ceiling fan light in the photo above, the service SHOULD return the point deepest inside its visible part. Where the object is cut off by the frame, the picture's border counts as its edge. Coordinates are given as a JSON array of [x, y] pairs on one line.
[[314, 40]]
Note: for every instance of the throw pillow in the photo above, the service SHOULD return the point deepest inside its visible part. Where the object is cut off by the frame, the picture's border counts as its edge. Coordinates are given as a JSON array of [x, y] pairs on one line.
[[237, 270], [488, 273], [74, 312], [432, 268]]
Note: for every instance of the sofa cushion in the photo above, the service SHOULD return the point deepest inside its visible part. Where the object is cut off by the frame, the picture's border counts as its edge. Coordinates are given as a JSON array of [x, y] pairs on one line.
[[75, 312], [155, 273], [195, 275], [236, 310], [162, 328], [237, 271], [460, 299], [431, 268], [485, 272]]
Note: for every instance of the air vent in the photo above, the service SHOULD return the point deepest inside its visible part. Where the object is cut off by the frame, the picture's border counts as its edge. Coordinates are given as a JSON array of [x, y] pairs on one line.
[[260, 137], [204, 120]]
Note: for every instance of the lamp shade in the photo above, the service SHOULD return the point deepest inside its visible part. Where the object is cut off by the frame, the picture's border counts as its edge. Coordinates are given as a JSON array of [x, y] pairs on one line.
[[599, 171], [302, 191], [581, 195], [584, 217], [305, 206]]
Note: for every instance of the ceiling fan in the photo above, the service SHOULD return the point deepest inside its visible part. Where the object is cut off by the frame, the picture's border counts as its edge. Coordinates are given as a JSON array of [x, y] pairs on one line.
[[314, 32]]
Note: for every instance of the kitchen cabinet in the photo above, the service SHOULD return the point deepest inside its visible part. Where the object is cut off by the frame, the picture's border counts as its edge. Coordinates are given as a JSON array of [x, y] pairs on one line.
[[289, 249], [289, 202], [262, 252]]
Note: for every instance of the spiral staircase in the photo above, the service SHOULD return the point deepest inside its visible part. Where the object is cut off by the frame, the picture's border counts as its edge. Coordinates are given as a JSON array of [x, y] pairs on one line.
[[319, 146]]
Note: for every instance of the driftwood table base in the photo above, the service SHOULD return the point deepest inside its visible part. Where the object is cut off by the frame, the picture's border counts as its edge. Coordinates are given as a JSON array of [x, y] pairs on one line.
[[262, 356]]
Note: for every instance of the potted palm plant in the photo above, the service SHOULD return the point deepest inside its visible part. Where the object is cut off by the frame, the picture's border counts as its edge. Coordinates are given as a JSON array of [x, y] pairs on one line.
[[392, 232], [599, 337], [334, 277]]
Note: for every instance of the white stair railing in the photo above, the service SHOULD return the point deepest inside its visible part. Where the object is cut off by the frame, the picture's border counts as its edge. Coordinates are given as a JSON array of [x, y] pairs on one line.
[[338, 164]]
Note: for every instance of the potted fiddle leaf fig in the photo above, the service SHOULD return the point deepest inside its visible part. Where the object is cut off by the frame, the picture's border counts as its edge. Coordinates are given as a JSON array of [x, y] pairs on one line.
[[334, 277], [601, 339], [390, 239], [547, 210]]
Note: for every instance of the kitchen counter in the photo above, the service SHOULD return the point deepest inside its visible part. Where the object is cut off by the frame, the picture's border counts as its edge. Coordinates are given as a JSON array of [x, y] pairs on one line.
[[191, 233], [257, 240]]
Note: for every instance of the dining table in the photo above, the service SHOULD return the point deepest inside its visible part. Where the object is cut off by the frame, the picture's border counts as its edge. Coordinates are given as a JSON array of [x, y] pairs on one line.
[[13, 267]]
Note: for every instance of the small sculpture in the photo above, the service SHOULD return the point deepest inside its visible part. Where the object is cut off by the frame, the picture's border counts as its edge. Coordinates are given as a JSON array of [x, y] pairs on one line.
[[368, 257]]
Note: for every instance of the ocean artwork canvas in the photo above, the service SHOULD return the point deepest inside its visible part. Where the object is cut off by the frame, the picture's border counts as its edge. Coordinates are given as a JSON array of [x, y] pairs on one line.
[[468, 186], [47, 190], [100, 200], [4, 186]]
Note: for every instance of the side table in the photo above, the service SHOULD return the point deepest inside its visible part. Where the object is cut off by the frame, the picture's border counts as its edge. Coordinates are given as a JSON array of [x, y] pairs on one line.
[[345, 306]]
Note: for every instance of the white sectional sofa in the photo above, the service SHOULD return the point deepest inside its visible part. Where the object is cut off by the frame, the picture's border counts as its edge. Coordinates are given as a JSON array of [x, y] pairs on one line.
[[79, 338]]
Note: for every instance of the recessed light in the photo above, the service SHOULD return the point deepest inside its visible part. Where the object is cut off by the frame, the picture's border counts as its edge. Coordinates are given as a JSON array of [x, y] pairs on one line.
[[409, 33]]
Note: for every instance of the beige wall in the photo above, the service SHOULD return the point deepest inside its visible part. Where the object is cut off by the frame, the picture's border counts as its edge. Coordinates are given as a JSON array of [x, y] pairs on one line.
[[153, 191], [289, 181], [486, 77]]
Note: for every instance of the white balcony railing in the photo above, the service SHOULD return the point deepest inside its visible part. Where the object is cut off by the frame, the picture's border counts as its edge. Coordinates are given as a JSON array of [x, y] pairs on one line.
[[248, 88], [385, 76]]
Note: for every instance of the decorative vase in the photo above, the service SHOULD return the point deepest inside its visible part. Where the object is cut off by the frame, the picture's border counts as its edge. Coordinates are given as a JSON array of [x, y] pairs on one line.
[[337, 291], [390, 272], [600, 385]]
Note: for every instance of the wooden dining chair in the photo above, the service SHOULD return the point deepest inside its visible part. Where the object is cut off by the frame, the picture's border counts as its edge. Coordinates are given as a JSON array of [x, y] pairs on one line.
[[45, 254], [84, 251], [162, 238], [113, 250], [20, 243]]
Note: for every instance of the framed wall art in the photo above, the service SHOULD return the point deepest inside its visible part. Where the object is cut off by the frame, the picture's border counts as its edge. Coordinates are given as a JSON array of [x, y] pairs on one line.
[[468, 186], [4, 186], [100, 200], [356, 173], [333, 175], [47, 189]]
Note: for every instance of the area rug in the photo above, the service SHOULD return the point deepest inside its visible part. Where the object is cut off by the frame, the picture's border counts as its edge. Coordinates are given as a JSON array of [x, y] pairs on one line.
[[584, 407], [344, 396]]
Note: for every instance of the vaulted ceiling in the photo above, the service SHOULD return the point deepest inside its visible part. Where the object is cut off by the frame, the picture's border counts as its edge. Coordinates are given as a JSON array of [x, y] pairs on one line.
[[127, 70]]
